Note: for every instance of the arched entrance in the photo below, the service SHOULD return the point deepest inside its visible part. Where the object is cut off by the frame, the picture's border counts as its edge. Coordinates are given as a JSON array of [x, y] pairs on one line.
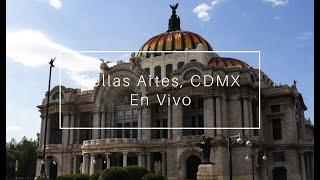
[[53, 170], [192, 167], [279, 173]]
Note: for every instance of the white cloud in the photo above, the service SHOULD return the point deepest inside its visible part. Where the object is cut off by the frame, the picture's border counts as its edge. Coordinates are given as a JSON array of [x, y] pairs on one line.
[[57, 4], [203, 9], [33, 49], [304, 36], [216, 2], [277, 2]]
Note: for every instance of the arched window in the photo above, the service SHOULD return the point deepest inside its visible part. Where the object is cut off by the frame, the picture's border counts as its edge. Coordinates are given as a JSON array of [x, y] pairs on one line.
[[180, 64], [168, 70], [157, 72], [191, 73], [55, 96], [193, 60]]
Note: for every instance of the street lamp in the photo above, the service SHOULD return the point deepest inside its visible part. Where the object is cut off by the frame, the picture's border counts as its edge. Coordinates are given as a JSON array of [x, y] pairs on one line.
[[231, 141], [253, 155], [43, 169], [264, 157], [249, 143]]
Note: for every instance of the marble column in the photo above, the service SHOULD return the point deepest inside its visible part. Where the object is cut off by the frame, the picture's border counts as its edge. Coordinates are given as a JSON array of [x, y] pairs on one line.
[[175, 65], [108, 124], [41, 139], [77, 131], [146, 121], [96, 123], [177, 120], [152, 72], [169, 121], [112, 119], [163, 163], [303, 168], [72, 125], [92, 163], [48, 133], [246, 118], [148, 159], [140, 159], [108, 159], [218, 114], [224, 112], [124, 159], [47, 167], [208, 115], [103, 124], [74, 168], [85, 164], [139, 122], [307, 168], [108, 133], [250, 117], [65, 132]]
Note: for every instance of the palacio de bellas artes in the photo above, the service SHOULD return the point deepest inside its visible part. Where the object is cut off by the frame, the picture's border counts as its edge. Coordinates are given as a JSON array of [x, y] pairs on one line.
[[283, 147]]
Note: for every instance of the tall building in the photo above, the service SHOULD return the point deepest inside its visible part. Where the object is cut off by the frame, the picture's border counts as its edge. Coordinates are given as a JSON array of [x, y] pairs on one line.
[[285, 136]]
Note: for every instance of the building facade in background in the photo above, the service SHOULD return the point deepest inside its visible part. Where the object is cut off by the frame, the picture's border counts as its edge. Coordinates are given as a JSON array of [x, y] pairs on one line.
[[285, 136]]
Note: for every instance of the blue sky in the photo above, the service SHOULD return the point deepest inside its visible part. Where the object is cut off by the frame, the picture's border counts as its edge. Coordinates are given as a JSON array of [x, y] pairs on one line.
[[281, 29]]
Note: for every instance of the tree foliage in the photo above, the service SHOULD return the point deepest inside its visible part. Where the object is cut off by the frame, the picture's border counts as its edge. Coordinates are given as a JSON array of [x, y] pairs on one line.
[[23, 151]]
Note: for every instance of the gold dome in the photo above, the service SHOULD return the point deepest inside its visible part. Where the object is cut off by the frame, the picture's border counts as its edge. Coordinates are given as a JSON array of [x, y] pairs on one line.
[[174, 39]]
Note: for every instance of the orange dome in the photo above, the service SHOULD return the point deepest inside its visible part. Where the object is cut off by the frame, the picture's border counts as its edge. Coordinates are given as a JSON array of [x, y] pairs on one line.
[[174, 41], [222, 62]]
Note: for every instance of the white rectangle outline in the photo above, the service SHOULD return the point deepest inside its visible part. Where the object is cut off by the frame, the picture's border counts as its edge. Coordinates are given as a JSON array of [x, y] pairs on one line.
[[168, 128]]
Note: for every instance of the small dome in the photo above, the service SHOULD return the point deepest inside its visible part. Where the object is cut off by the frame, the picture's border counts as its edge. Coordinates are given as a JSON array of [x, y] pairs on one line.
[[222, 62], [174, 41]]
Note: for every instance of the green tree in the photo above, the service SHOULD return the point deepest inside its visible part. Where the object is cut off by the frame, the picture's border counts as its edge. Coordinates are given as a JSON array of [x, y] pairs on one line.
[[23, 151]]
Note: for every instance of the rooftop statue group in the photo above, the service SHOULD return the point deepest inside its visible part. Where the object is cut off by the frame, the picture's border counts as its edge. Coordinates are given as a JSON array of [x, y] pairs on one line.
[[174, 21]]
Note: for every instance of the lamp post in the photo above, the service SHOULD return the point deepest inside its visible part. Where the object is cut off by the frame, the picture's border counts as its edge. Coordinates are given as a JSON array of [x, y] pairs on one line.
[[253, 156], [43, 169], [231, 141]]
